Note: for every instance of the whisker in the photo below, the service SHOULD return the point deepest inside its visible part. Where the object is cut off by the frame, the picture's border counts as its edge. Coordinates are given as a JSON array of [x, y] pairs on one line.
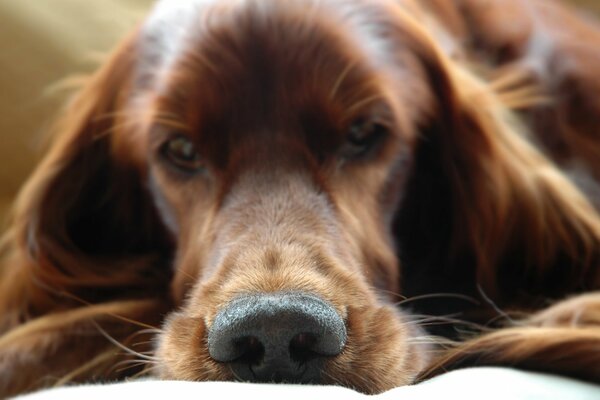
[[152, 331], [115, 127], [146, 371], [439, 295], [111, 115], [122, 346], [144, 343], [364, 102], [136, 362], [171, 121], [392, 294], [149, 328], [338, 82], [446, 317], [435, 320], [134, 322], [187, 275], [500, 312], [515, 314], [432, 339], [98, 360], [129, 364]]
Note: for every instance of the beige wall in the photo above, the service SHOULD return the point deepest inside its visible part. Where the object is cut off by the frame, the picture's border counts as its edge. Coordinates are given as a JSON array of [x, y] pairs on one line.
[[593, 5], [41, 43]]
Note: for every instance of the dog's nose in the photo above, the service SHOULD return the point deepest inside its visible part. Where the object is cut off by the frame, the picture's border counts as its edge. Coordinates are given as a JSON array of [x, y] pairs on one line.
[[278, 337]]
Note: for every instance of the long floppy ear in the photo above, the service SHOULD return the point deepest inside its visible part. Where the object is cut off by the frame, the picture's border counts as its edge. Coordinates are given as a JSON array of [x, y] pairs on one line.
[[84, 225], [484, 205], [487, 212], [562, 339]]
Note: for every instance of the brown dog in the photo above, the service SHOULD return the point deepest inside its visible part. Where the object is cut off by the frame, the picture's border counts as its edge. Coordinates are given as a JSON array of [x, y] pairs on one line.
[[264, 179]]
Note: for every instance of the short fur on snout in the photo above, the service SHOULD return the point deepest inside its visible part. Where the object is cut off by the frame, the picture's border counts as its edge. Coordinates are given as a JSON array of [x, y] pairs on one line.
[[364, 154], [286, 239]]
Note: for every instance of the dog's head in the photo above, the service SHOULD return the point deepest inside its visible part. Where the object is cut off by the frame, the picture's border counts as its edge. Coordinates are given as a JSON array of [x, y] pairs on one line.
[[265, 156], [278, 137]]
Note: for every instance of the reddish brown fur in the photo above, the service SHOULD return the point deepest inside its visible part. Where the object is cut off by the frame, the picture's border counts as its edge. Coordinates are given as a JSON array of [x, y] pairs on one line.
[[463, 195]]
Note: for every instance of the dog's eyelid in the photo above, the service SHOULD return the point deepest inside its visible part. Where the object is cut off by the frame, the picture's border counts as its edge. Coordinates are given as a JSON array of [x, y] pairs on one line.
[[160, 132], [181, 153], [380, 113], [362, 135]]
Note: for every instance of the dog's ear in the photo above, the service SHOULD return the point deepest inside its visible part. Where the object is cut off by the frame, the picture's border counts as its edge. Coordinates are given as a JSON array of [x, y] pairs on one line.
[[484, 203], [84, 223]]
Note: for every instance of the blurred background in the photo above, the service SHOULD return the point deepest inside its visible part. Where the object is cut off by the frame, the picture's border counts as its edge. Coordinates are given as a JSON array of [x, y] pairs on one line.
[[42, 42]]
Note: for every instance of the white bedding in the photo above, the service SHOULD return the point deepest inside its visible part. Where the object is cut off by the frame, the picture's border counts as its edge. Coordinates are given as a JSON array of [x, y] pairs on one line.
[[473, 383]]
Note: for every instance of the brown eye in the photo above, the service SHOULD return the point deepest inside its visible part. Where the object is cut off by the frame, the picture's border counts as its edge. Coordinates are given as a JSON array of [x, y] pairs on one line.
[[363, 135], [181, 153]]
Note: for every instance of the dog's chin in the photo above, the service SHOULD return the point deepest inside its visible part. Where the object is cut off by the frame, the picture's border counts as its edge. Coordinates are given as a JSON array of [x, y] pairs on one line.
[[381, 350]]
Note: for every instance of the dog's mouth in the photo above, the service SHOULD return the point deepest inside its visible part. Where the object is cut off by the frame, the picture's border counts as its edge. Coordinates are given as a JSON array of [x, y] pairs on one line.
[[277, 337]]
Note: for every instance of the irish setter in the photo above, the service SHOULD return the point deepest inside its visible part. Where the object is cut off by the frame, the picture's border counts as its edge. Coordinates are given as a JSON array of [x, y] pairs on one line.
[[317, 191]]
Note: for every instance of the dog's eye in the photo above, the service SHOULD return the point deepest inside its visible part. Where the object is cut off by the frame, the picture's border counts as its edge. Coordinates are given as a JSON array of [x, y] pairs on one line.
[[362, 137], [181, 153]]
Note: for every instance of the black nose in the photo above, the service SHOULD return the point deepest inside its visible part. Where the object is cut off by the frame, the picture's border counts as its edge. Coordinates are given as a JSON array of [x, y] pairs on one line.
[[278, 337]]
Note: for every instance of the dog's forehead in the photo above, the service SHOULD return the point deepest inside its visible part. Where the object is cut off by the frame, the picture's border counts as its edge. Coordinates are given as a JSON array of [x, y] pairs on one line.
[[174, 25], [296, 69]]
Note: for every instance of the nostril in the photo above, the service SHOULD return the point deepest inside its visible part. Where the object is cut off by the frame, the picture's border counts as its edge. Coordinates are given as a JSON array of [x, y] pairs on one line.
[[251, 351], [276, 337], [302, 347]]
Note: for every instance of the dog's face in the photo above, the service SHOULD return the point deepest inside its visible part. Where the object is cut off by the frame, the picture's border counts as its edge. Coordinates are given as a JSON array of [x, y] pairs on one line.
[[279, 137]]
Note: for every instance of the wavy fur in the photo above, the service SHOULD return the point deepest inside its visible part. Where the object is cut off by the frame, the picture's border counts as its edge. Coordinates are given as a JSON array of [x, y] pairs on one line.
[[468, 195]]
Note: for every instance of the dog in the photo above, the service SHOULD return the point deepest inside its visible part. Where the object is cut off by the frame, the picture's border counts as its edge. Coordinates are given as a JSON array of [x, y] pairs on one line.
[[362, 193]]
